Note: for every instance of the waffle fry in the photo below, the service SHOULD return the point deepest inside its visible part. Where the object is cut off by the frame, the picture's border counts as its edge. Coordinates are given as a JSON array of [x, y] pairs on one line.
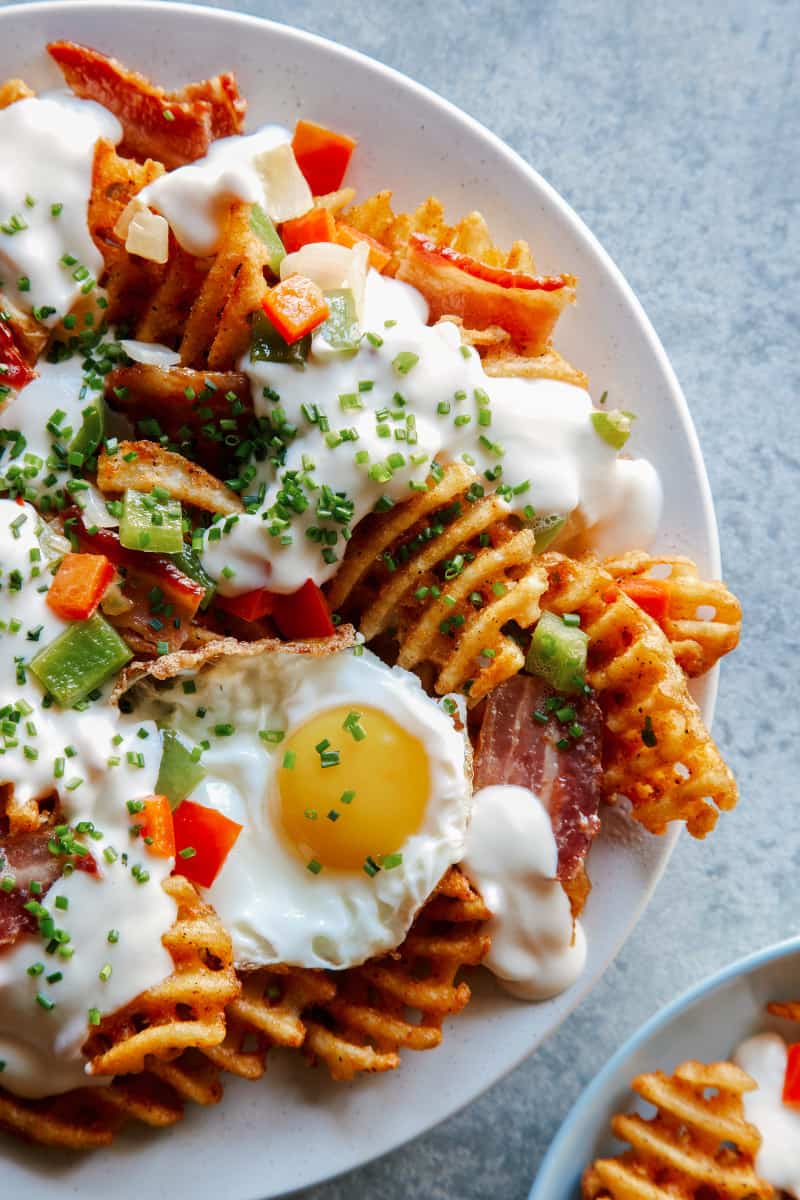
[[391, 558], [376, 217], [366, 1024], [154, 466], [656, 749], [187, 1009], [218, 327], [78, 1120], [268, 1013], [697, 1145], [501, 360], [788, 1009], [704, 619]]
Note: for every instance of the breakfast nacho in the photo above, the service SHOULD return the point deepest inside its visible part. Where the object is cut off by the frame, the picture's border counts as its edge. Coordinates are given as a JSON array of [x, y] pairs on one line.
[[329, 622]]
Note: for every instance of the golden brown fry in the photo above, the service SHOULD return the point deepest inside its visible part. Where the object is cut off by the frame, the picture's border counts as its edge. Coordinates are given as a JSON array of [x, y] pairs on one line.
[[656, 749], [367, 1023], [393, 561], [186, 1009], [704, 619], [12, 90], [154, 466], [788, 1009], [696, 1144], [218, 328]]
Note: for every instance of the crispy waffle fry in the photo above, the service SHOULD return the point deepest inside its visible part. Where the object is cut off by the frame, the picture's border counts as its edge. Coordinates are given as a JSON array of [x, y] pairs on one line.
[[154, 466], [788, 1009], [268, 1013], [698, 1146], [367, 1023], [501, 360], [23, 816], [704, 619], [218, 328], [187, 1009], [77, 1120], [656, 750], [433, 541]]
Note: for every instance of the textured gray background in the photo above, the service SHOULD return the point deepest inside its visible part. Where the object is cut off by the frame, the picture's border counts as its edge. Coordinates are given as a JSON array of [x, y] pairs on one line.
[[673, 131]]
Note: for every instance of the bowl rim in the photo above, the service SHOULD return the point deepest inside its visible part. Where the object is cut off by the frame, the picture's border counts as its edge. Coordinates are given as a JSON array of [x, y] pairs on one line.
[[590, 246], [547, 1178]]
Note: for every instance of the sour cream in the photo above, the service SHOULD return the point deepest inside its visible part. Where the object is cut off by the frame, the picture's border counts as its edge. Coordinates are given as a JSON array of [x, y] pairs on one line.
[[537, 950], [778, 1161], [85, 755], [257, 169], [47, 255], [418, 382]]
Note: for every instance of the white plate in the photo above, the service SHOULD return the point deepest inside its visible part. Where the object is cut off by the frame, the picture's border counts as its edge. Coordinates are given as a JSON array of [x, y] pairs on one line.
[[297, 1128], [707, 1023]]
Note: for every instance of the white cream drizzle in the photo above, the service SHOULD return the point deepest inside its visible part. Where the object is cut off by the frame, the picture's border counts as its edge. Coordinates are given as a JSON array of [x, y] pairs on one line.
[[512, 859], [196, 199], [763, 1057], [47, 144], [543, 426], [41, 1049]]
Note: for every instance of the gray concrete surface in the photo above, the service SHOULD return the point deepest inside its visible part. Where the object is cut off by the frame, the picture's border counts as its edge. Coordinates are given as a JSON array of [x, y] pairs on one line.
[[673, 130]]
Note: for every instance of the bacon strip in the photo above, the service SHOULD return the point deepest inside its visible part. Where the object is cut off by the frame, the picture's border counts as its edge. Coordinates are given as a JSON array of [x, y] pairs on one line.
[[25, 858], [514, 748], [172, 127], [526, 306]]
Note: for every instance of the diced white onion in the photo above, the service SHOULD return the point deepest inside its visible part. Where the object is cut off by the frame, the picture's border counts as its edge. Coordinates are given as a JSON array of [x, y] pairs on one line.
[[286, 193], [94, 510], [150, 353], [134, 206], [148, 236], [332, 266]]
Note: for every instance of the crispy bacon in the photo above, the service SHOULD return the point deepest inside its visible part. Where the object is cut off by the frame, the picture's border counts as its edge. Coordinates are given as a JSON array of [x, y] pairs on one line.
[[526, 306], [25, 858], [172, 127], [514, 748]]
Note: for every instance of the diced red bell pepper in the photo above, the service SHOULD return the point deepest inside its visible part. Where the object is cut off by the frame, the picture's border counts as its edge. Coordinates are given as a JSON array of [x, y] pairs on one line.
[[346, 235], [295, 306], [303, 614], [250, 606], [203, 840], [791, 1082], [652, 595], [14, 371], [157, 826], [317, 225], [78, 585], [185, 593], [322, 156]]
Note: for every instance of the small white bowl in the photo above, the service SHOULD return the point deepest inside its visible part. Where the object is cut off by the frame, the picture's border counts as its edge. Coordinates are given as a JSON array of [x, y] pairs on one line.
[[298, 1127], [707, 1023]]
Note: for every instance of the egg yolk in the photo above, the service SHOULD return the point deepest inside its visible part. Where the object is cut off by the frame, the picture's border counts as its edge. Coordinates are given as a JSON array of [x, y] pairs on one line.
[[353, 788]]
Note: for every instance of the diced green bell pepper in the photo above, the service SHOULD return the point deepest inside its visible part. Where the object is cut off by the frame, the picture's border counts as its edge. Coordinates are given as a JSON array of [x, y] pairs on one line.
[[90, 434], [150, 524], [179, 773], [267, 345], [614, 426], [80, 659], [262, 226], [557, 653], [546, 530], [341, 330], [189, 563]]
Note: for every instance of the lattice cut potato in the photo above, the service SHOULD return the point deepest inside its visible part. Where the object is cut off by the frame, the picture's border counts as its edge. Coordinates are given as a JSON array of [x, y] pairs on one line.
[[704, 618], [698, 1146], [656, 748]]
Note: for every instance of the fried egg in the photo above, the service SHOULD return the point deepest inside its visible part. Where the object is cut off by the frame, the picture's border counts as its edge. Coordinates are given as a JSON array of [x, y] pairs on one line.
[[353, 791]]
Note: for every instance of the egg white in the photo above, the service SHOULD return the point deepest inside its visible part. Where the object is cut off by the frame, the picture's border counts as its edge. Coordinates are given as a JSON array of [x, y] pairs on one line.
[[275, 909]]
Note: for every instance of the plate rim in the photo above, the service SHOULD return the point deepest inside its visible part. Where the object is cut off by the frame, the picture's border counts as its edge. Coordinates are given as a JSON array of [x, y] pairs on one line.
[[705, 988], [591, 245]]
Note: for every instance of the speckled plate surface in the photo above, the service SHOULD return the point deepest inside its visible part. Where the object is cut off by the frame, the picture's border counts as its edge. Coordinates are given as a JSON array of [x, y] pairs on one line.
[[296, 1127], [707, 1023]]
